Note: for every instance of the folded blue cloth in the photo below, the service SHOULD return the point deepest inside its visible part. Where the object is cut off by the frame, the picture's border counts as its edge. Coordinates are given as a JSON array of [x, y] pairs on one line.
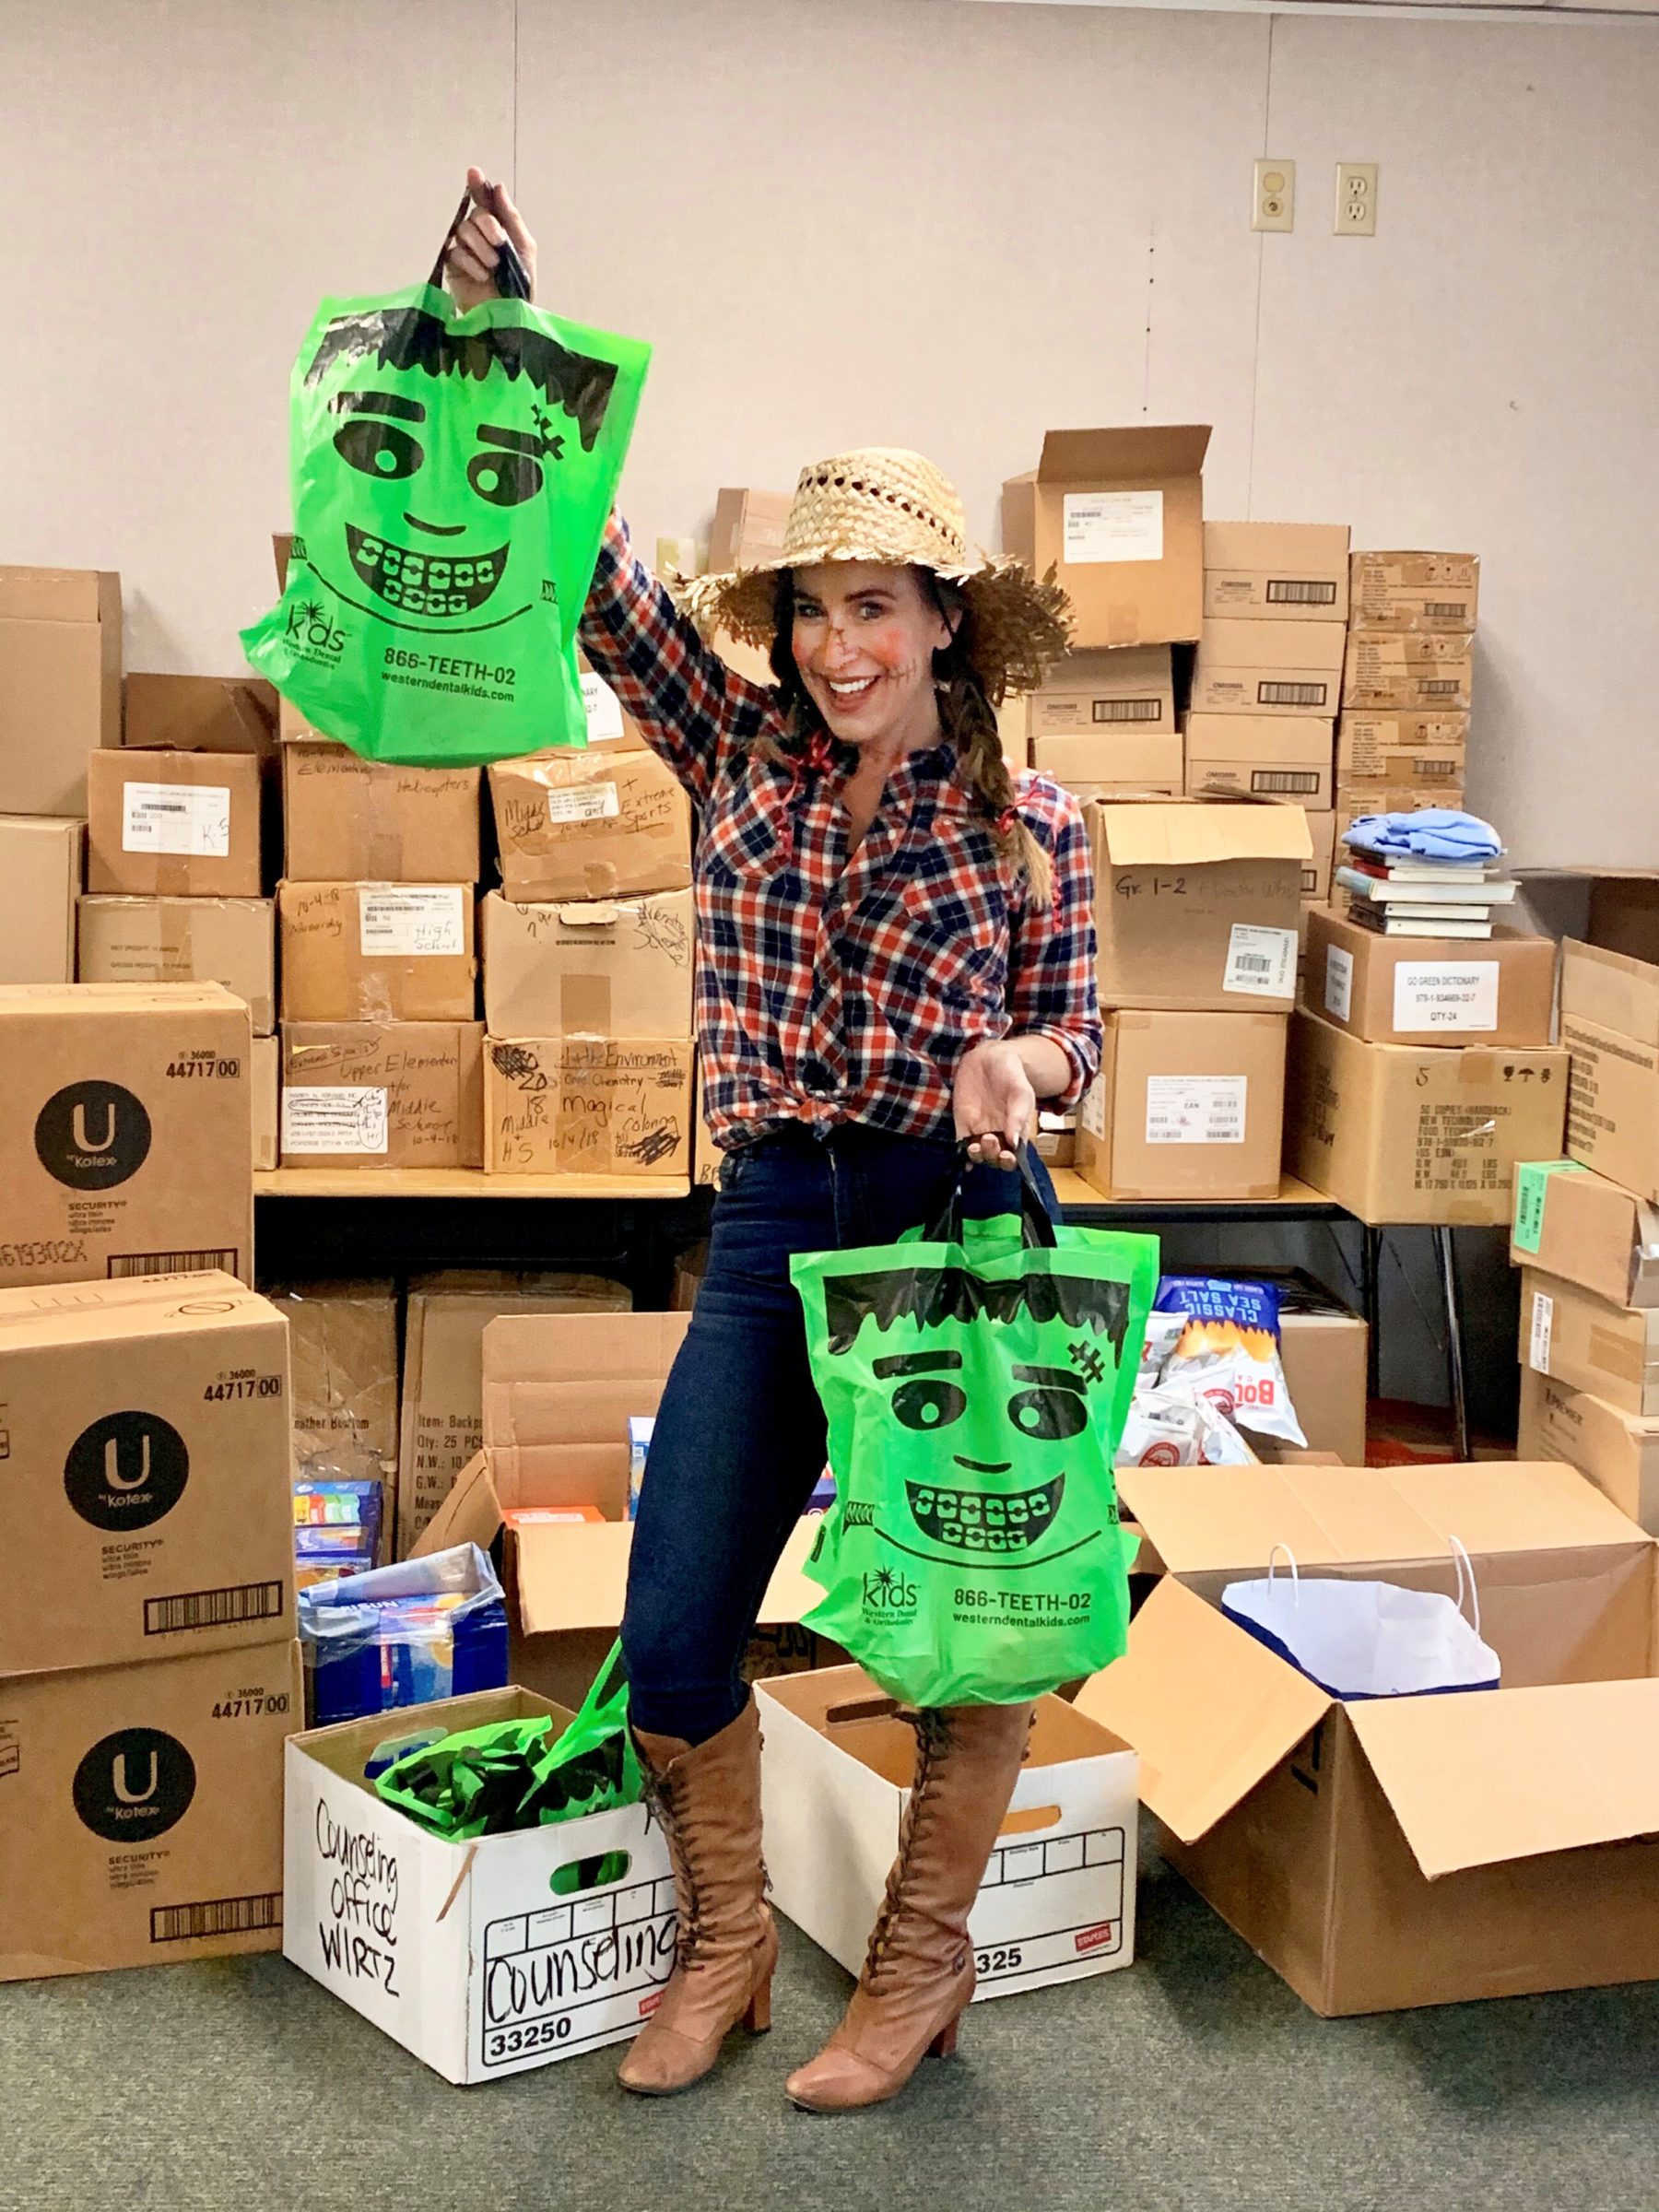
[[1437, 833]]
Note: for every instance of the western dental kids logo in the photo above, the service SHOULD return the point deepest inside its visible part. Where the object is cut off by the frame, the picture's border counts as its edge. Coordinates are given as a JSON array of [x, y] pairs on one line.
[[429, 548]]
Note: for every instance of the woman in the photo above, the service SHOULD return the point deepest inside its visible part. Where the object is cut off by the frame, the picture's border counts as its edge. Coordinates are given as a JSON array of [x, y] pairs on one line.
[[896, 953]]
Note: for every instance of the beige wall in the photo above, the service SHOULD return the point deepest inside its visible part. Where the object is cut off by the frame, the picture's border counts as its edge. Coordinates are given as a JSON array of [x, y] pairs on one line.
[[904, 221]]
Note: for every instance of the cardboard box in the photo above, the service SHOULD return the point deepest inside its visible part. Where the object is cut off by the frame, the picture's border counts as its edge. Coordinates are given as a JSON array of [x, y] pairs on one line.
[[587, 1106], [1277, 572], [125, 1130], [1196, 904], [1414, 591], [747, 528], [589, 968], [1398, 1851], [558, 1394], [229, 941], [1117, 514], [1402, 1133], [441, 1421], [1611, 1025], [265, 1064], [1185, 1106], [1057, 1900], [60, 684], [382, 1094], [183, 825], [1587, 1230], [1094, 693], [1261, 757], [599, 825], [41, 862], [1316, 875], [141, 1811], [1402, 670], [1324, 1348], [1499, 990], [1624, 913], [485, 1958], [377, 951], [1428, 750], [292, 728], [1579, 1339], [1611, 988], [201, 714], [1617, 1452], [1353, 800], [1272, 668], [343, 1351], [1122, 763], [350, 821], [148, 1507], [607, 722]]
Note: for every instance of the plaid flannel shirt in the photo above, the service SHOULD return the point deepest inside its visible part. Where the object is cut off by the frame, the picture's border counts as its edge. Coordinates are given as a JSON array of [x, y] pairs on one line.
[[831, 990]]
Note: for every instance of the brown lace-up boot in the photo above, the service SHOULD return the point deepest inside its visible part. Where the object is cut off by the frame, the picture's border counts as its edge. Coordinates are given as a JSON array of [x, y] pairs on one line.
[[918, 1973], [708, 1799]]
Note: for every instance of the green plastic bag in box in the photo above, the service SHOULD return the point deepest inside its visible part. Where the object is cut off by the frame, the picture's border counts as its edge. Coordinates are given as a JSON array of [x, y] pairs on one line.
[[451, 476], [976, 1381]]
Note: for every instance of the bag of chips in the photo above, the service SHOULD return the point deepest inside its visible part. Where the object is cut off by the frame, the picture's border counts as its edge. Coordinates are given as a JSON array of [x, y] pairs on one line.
[[1228, 1353], [452, 473]]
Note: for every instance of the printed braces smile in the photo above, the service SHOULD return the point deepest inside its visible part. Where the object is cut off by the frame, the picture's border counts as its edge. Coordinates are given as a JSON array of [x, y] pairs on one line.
[[424, 584], [982, 1523]]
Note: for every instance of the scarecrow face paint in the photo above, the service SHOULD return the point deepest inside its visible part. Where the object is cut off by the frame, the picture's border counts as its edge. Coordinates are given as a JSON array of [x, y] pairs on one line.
[[863, 637]]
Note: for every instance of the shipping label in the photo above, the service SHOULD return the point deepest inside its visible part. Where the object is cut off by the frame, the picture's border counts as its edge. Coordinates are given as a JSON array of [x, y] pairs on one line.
[[585, 803], [1532, 1188], [603, 708], [1445, 995], [413, 920], [1260, 961], [1092, 1113], [1338, 982], [1112, 525], [334, 1117], [1197, 1110], [189, 819], [1543, 1322]]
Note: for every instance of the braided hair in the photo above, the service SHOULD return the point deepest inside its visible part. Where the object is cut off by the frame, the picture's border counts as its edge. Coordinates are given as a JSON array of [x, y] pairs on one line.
[[966, 715]]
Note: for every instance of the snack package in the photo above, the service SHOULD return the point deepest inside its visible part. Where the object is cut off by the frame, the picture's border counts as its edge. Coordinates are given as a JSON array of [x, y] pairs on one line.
[[1175, 1429], [1228, 1352]]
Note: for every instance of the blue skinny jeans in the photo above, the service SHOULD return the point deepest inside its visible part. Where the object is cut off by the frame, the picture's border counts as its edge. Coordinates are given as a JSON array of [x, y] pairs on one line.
[[739, 1437]]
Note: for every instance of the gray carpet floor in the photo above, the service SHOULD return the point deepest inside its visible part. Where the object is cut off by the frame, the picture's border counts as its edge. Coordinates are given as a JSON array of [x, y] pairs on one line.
[[1195, 2079]]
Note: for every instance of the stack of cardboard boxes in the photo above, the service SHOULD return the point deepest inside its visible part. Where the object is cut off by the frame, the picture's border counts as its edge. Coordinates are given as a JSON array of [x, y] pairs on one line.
[[1401, 741], [1586, 1231], [1265, 684], [60, 698]]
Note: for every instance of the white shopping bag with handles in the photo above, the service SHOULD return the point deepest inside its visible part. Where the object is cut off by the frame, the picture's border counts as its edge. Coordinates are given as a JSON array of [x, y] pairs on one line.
[[1368, 1639]]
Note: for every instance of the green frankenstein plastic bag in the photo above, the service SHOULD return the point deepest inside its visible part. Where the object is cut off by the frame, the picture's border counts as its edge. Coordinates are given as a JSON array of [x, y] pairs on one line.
[[976, 1385], [451, 476], [484, 1781]]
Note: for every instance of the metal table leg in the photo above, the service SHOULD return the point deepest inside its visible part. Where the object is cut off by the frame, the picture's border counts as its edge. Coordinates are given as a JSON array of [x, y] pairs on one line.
[[1446, 1253], [1371, 1260]]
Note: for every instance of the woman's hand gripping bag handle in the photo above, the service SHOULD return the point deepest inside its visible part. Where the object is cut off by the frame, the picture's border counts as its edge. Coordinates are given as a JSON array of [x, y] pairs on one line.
[[975, 1386], [451, 476]]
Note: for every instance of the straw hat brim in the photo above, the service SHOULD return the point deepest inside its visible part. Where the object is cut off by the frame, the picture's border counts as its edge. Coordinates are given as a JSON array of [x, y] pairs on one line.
[[1019, 624]]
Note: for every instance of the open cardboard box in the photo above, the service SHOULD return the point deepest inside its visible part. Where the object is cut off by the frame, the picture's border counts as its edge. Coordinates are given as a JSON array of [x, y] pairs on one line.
[[1057, 1902], [1406, 1851], [559, 1389], [482, 1958]]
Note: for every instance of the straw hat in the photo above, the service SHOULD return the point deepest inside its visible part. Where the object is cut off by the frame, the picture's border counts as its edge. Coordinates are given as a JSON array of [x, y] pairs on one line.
[[885, 504]]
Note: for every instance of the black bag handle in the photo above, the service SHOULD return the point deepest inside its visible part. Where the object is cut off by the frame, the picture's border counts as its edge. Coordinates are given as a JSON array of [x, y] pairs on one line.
[[512, 281], [1037, 1229]]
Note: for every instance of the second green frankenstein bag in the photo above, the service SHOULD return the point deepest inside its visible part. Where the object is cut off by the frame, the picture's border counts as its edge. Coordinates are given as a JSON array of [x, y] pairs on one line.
[[451, 475], [976, 1383]]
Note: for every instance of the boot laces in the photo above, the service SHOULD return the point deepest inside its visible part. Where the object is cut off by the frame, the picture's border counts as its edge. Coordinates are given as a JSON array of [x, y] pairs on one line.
[[689, 1931], [888, 1937]]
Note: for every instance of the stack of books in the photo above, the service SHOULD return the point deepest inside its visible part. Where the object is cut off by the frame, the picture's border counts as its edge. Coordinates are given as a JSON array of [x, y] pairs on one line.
[[1414, 898]]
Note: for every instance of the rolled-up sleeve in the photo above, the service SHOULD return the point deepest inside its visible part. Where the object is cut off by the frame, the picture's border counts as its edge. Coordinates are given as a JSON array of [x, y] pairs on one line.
[[1051, 953]]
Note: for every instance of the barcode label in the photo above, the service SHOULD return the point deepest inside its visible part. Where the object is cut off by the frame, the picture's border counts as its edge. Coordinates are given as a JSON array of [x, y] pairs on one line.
[[1197, 1110], [212, 1608], [1284, 778], [121, 1264], [585, 803], [1309, 883], [1451, 610], [1291, 695], [415, 920], [1438, 687], [1288, 591], [193, 819], [1128, 710], [216, 1916], [1438, 767], [1260, 961]]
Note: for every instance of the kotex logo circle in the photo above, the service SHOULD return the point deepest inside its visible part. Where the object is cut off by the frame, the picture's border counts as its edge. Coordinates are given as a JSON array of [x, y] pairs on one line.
[[92, 1136], [126, 1470], [135, 1785]]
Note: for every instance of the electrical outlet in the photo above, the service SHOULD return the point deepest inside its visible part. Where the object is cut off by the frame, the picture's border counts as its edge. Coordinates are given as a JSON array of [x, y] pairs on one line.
[[1274, 208], [1356, 199]]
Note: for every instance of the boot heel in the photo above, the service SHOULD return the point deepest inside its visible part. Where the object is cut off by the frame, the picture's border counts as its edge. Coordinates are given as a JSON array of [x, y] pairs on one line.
[[944, 2044], [758, 2018]]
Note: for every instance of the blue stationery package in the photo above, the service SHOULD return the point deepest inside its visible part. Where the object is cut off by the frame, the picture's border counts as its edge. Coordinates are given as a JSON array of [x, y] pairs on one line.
[[403, 1635]]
